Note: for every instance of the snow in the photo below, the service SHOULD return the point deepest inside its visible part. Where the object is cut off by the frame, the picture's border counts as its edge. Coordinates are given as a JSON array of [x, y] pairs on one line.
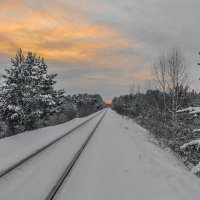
[[15, 148], [195, 111], [121, 164], [11, 107], [196, 169], [193, 142], [35, 179], [196, 143], [14, 116], [190, 109], [196, 130]]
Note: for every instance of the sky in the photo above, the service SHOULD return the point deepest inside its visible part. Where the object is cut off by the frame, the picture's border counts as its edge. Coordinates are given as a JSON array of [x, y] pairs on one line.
[[100, 46]]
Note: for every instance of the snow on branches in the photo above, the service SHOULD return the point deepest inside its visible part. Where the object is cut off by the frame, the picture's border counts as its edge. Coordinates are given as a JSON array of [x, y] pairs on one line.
[[191, 110], [192, 147], [191, 144], [27, 93]]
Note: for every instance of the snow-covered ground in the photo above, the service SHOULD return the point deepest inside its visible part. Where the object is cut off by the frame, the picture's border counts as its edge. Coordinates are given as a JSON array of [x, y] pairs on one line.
[[34, 179], [15, 148], [121, 164]]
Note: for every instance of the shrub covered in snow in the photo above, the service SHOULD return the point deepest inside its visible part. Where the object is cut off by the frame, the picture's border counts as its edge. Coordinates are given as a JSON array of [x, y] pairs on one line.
[[191, 147], [168, 128], [68, 112], [4, 131]]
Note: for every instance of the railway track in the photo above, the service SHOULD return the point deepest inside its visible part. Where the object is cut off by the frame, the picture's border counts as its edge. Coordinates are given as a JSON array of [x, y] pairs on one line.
[[38, 151], [69, 167]]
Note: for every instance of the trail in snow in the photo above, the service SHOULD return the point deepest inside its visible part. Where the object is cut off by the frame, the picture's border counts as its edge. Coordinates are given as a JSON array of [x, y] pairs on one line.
[[15, 148], [35, 178], [121, 164]]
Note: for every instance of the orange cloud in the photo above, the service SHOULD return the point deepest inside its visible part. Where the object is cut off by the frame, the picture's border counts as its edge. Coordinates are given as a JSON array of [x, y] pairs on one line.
[[144, 74], [123, 78], [60, 34]]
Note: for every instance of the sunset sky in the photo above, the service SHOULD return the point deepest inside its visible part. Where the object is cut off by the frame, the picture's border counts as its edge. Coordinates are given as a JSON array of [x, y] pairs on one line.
[[100, 46]]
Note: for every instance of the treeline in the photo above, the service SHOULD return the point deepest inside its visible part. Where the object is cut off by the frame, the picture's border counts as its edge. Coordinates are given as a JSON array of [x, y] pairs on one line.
[[79, 105], [156, 109], [168, 129], [28, 99]]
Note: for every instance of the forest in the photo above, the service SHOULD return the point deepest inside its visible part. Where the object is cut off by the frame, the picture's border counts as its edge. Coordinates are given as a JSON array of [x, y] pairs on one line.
[[29, 100], [168, 108]]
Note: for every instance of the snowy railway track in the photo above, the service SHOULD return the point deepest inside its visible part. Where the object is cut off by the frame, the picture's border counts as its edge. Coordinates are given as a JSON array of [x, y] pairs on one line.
[[38, 151], [69, 167]]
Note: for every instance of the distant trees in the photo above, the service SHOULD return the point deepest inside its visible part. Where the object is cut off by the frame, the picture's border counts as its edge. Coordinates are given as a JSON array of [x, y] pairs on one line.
[[79, 105], [69, 111], [27, 94], [87, 103]]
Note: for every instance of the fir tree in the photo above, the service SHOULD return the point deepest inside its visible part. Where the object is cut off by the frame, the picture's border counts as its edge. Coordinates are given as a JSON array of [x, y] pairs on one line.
[[27, 93]]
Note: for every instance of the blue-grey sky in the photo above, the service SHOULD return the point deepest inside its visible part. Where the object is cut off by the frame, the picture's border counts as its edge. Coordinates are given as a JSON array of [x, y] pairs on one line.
[[100, 46]]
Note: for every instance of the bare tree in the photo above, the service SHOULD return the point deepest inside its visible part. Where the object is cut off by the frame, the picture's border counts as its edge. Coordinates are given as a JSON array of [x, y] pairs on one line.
[[170, 73], [160, 72], [160, 76], [149, 85], [132, 88], [138, 89], [176, 67]]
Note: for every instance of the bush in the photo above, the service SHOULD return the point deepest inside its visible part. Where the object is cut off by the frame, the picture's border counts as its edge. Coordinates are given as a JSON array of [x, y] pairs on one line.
[[68, 112], [167, 128]]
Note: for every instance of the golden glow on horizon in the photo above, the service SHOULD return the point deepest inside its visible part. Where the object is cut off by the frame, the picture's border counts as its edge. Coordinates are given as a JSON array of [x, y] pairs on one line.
[[108, 101]]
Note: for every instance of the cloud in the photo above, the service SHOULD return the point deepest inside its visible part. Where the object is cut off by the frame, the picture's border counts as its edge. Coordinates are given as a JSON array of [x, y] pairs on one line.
[[58, 33], [99, 46], [83, 51]]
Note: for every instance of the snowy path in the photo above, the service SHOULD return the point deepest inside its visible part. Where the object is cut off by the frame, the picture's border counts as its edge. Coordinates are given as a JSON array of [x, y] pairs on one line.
[[16, 148], [35, 178], [121, 164]]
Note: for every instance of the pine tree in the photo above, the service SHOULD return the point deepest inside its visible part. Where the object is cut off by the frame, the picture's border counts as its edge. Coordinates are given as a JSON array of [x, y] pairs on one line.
[[27, 94]]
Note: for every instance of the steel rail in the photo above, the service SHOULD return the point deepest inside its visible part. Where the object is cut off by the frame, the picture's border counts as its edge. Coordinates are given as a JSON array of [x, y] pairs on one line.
[[69, 167], [28, 157]]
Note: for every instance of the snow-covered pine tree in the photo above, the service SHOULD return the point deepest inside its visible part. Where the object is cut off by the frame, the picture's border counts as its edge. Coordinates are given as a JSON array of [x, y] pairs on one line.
[[27, 94]]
